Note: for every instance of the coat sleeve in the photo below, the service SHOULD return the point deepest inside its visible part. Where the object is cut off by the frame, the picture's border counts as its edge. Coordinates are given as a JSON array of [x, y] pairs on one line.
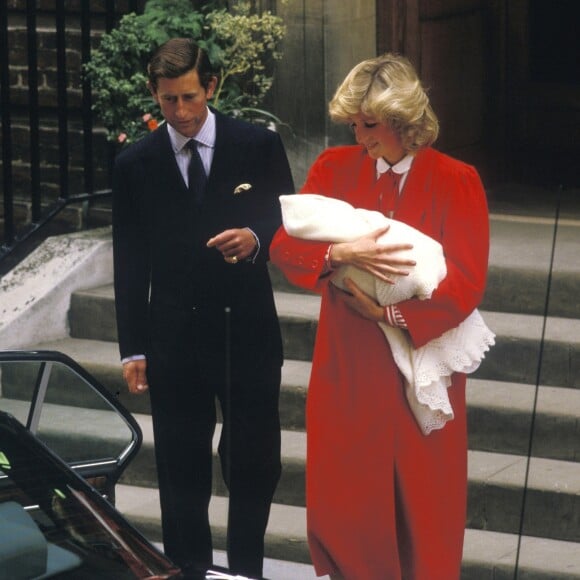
[[131, 264], [464, 235], [303, 261], [277, 177]]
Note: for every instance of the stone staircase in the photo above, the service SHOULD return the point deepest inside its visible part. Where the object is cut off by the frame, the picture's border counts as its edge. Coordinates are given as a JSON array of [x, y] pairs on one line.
[[530, 349]]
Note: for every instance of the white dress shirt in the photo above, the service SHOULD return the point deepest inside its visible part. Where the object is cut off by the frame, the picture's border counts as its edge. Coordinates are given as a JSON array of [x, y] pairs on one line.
[[205, 140]]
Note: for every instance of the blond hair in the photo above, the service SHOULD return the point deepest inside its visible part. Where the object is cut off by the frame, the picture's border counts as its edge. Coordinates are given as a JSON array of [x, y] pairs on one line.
[[387, 89]]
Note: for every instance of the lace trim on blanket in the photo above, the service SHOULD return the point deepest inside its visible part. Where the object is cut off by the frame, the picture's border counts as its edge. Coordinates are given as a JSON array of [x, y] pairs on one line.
[[427, 370]]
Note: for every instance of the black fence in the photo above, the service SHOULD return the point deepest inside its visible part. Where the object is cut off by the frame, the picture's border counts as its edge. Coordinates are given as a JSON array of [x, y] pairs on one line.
[[44, 99]]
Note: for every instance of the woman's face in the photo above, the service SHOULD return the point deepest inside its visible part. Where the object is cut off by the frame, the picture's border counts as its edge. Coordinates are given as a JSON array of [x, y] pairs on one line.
[[378, 138]]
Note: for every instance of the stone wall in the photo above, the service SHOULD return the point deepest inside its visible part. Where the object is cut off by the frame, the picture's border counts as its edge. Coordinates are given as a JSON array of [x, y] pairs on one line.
[[325, 39], [21, 105]]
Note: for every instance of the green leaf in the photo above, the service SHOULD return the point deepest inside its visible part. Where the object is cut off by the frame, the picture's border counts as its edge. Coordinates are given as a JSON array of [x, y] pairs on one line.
[[241, 44]]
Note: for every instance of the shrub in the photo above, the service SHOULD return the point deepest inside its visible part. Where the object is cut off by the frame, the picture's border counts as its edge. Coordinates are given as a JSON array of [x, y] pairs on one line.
[[242, 46]]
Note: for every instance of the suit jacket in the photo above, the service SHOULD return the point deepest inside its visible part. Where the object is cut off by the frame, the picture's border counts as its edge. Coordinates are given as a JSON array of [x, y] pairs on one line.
[[167, 282]]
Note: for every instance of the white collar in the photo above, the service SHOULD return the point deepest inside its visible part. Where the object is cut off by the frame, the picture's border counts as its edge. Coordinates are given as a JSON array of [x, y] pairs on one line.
[[400, 167], [205, 136]]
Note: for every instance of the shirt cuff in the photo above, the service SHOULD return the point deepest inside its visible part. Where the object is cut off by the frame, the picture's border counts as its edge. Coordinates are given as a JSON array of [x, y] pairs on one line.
[[327, 260], [393, 316], [132, 358], [253, 257]]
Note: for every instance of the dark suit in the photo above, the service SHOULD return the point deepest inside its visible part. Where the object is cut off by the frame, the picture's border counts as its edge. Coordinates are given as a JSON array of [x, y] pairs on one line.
[[209, 329]]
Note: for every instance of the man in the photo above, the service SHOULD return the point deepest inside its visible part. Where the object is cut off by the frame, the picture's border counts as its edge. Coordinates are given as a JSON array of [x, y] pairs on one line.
[[195, 310]]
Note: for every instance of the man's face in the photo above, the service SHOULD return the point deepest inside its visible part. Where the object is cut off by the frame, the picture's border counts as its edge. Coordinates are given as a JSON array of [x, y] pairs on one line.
[[183, 101]]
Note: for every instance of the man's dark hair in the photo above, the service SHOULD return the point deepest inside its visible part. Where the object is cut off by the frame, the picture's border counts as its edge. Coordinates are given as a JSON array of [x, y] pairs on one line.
[[176, 57]]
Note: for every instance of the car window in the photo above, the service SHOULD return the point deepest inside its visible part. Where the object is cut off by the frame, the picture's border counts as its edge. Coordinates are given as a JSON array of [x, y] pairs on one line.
[[68, 410], [17, 383], [53, 525], [77, 422]]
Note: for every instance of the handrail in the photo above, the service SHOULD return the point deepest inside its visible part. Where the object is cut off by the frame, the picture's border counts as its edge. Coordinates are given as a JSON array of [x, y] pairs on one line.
[[47, 216]]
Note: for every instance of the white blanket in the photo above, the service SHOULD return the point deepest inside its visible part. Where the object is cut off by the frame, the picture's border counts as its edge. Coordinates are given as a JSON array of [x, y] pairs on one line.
[[427, 370]]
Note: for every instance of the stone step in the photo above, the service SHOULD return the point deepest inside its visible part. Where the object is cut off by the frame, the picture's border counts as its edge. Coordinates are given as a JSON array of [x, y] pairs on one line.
[[290, 490], [273, 569], [486, 555], [496, 496], [496, 480], [519, 355], [101, 359], [534, 265], [518, 418], [285, 537], [499, 413], [526, 279], [550, 502], [533, 350], [552, 499], [92, 316], [527, 273]]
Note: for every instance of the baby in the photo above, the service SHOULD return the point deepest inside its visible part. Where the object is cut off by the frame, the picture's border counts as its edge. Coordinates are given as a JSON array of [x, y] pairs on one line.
[[427, 370]]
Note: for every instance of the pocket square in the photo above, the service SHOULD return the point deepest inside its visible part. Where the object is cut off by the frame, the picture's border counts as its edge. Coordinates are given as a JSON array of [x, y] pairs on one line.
[[242, 187]]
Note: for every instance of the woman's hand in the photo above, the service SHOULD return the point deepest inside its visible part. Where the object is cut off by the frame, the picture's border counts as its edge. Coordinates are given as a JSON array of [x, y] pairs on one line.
[[381, 260], [360, 302]]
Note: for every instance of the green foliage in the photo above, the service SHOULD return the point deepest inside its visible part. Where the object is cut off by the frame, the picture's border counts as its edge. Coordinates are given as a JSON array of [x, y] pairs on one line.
[[241, 45]]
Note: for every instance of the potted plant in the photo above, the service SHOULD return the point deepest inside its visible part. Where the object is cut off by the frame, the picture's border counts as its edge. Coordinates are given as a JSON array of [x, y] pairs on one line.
[[242, 45]]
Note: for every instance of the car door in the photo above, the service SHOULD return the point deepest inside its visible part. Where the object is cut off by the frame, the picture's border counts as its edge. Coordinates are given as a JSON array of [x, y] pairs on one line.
[[66, 408]]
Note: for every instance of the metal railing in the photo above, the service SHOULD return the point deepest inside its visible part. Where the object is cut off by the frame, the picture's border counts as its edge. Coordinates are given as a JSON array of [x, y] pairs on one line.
[[27, 106]]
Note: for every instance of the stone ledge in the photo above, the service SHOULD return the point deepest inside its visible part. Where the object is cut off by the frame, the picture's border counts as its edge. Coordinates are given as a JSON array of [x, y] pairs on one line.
[[36, 293]]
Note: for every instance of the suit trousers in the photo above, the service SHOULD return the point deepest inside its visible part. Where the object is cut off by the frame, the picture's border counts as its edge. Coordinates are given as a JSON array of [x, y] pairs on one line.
[[186, 379]]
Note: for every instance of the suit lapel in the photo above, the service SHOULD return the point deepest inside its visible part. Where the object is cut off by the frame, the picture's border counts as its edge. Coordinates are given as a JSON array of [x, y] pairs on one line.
[[228, 154], [160, 164]]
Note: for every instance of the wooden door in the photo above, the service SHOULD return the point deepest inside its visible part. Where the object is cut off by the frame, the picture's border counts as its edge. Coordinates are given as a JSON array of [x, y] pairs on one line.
[[445, 41], [542, 87], [504, 81]]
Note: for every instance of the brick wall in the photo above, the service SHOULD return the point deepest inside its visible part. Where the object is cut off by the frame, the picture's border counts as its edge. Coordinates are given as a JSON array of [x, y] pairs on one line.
[[20, 104]]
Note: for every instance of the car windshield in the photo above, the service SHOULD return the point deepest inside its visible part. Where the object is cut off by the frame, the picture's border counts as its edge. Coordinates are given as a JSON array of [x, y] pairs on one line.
[[53, 524]]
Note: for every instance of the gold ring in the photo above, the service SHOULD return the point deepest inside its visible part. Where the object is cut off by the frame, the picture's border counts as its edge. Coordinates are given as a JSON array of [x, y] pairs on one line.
[[232, 260]]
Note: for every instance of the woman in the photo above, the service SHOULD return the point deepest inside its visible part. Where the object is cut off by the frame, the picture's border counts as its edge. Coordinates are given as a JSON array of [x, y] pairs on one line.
[[385, 501]]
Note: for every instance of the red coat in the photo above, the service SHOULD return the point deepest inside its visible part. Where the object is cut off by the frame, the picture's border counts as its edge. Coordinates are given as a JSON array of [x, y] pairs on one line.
[[382, 499]]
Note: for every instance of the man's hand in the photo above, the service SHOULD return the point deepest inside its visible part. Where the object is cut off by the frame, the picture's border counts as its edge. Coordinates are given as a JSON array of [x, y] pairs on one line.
[[235, 243], [135, 376]]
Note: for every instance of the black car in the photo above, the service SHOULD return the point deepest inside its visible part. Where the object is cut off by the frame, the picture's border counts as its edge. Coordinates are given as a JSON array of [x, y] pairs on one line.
[[64, 442]]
